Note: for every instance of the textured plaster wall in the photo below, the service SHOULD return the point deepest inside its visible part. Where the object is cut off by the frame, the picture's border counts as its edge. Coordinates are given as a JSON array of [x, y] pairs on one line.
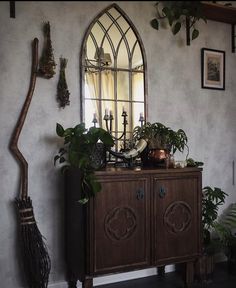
[[175, 98]]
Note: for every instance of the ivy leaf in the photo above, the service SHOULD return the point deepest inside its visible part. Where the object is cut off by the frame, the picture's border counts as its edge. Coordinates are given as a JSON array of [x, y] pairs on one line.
[[176, 28], [60, 130], [195, 34], [55, 159], [154, 23], [62, 160], [83, 201]]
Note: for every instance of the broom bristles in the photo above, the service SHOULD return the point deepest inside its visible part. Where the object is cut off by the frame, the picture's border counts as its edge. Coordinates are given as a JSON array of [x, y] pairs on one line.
[[36, 260]]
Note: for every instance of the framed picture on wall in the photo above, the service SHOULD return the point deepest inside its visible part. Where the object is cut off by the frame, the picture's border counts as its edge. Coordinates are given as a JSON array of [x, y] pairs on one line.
[[213, 69]]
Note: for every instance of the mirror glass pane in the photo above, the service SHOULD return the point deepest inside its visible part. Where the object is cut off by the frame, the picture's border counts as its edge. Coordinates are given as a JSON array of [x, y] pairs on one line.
[[123, 85]]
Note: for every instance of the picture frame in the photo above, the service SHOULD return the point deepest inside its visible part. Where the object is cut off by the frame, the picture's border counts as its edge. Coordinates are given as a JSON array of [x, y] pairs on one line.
[[213, 69]]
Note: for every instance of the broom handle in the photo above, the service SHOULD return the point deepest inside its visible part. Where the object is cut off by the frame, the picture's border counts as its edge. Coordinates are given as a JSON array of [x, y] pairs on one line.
[[14, 141]]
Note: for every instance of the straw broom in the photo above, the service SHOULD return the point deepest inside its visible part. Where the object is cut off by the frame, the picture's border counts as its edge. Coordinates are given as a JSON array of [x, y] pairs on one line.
[[35, 256]]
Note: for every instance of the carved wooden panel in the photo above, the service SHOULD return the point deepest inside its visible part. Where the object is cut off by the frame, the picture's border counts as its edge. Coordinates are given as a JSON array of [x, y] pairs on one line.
[[176, 225], [177, 217], [120, 223]]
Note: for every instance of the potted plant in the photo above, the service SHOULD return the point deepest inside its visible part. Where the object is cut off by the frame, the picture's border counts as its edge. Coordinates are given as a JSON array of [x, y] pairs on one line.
[[80, 144], [224, 229], [180, 14], [212, 198], [162, 140]]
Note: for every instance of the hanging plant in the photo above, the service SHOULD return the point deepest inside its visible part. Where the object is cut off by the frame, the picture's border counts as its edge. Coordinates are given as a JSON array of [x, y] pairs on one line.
[[180, 14], [47, 64], [62, 88]]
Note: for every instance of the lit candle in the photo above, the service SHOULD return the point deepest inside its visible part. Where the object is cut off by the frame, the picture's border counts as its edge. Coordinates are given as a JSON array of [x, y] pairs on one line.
[[110, 112], [106, 111], [123, 109]]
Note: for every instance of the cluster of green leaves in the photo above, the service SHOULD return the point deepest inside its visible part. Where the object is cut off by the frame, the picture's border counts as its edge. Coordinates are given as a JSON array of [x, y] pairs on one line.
[[224, 226], [193, 163], [177, 13], [211, 200], [79, 145], [161, 137]]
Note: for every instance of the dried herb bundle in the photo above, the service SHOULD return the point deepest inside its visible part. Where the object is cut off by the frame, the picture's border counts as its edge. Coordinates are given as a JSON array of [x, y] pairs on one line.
[[62, 88], [47, 64]]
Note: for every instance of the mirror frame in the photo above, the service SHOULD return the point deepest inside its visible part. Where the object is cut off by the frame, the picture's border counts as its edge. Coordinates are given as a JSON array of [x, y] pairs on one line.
[[82, 53]]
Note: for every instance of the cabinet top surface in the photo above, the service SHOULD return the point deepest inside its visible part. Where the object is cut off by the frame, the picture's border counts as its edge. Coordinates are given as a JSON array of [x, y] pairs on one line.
[[145, 170]]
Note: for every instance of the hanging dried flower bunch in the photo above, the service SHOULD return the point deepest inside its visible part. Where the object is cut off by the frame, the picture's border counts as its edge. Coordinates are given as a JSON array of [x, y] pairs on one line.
[[47, 64], [62, 88]]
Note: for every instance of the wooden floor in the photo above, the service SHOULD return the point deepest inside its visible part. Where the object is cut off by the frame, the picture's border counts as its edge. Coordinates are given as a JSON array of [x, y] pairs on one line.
[[221, 279]]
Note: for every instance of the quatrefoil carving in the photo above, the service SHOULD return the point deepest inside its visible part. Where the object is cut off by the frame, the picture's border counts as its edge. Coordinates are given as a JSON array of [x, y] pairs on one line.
[[120, 223], [178, 217]]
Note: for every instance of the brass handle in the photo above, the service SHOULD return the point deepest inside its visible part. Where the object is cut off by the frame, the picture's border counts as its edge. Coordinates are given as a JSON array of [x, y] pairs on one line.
[[140, 194]]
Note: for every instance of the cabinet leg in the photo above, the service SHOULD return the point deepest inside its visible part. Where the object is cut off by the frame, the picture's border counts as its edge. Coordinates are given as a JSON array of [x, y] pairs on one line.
[[189, 274], [161, 271], [87, 283]]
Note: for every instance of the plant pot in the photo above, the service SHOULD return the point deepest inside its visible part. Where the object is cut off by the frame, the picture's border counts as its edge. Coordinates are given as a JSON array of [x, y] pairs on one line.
[[158, 157], [98, 157]]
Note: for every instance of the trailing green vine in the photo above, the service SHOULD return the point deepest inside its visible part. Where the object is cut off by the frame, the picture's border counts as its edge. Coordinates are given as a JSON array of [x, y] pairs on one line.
[[180, 14]]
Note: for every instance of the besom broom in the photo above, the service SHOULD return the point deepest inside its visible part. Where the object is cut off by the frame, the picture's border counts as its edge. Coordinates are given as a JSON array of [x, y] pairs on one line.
[[36, 260]]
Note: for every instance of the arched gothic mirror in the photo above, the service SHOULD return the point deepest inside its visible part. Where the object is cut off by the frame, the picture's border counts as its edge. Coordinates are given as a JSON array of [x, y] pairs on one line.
[[113, 73]]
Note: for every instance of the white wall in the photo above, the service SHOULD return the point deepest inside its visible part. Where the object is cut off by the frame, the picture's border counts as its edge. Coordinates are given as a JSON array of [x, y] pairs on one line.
[[175, 98]]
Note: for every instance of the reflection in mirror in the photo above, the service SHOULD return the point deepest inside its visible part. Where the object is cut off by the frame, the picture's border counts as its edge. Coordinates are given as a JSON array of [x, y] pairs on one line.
[[113, 72]]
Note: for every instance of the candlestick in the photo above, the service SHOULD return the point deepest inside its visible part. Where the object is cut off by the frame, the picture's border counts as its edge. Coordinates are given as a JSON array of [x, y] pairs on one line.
[[141, 118], [111, 115], [95, 120]]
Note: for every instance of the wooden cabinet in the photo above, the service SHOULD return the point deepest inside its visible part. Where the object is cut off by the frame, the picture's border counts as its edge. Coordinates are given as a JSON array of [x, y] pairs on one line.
[[140, 219]]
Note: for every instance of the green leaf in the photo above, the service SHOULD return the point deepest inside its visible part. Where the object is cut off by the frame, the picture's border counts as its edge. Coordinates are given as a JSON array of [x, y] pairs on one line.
[[55, 159], [176, 28], [62, 151], [154, 23], [195, 34], [83, 201], [68, 132], [59, 130], [62, 160]]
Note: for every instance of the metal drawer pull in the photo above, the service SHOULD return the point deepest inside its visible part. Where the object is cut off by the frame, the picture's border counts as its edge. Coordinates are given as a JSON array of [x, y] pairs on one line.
[[140, 194], [162, 192]]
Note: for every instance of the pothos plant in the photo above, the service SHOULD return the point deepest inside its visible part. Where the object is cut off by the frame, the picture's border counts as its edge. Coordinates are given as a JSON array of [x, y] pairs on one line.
[[180, 14], [79, 146]]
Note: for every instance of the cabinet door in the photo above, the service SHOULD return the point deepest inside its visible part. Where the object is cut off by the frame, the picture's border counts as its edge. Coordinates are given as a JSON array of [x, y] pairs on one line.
[[121, 225], [177, 218]]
